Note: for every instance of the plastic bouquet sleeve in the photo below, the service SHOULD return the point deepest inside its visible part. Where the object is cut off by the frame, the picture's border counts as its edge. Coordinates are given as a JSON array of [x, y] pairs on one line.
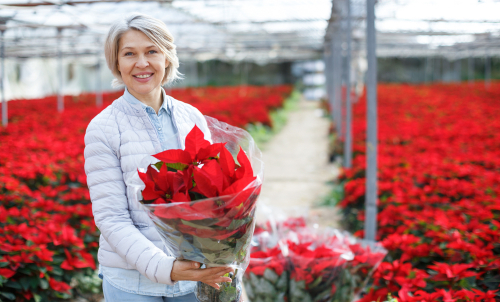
[[202, 201], [266, 278], [367, 257], [316, 261]]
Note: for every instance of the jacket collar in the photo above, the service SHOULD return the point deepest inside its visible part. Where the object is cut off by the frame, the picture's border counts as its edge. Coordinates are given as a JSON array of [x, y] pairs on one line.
[[134, 101], [132, 106]]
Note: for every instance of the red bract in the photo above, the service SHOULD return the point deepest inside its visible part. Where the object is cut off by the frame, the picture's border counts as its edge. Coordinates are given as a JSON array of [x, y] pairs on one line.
[[451, 273], [271, 259], [59, 286]]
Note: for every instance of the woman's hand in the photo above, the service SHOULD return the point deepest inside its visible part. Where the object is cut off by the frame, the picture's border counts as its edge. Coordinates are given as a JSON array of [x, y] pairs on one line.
[[184, 270]]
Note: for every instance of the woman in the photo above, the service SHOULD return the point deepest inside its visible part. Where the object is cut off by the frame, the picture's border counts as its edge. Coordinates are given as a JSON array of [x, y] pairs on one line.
[[134, 263]]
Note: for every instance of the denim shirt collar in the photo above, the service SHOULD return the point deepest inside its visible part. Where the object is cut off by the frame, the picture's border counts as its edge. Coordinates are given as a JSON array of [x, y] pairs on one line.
[[134, 101]]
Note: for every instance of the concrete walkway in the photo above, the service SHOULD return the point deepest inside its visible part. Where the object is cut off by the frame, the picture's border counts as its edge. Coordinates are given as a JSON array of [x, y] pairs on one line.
[[296, 167]]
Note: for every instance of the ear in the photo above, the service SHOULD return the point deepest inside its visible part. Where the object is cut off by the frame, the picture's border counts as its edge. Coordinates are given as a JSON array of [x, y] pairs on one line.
[[166, 63]]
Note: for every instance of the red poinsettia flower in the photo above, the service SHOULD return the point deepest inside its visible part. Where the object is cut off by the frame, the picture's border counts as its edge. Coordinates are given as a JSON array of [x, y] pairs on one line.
[[202, 182]]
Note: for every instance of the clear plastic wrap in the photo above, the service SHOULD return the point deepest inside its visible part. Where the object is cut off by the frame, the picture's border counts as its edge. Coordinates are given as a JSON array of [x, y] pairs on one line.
[[367, 257], [316, 261], [266, 278], [215, 231], [324, 264]]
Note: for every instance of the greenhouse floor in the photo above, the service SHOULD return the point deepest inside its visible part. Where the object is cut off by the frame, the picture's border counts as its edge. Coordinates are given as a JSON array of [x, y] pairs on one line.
[[296, 168]]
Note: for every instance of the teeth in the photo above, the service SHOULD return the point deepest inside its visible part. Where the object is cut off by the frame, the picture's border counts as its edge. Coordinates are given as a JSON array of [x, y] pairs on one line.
[[143, 76]]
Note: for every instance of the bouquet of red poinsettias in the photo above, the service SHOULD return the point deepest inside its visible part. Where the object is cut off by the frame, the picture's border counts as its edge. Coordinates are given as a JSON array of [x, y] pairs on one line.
[[203, 202]]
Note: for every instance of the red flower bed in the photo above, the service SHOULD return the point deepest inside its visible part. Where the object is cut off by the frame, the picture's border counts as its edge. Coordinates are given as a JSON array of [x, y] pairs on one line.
[[439, 191], [236, 105], [47, 232]]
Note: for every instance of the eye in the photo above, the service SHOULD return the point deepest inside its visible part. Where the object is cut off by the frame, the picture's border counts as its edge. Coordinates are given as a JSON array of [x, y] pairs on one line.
[[152, 52], [128, 54]]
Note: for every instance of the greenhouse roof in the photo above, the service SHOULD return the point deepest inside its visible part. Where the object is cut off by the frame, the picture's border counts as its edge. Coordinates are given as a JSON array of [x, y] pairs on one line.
[[255, 30]]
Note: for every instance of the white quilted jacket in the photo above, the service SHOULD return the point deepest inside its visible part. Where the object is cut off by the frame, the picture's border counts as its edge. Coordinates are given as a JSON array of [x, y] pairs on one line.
[[116, 141]]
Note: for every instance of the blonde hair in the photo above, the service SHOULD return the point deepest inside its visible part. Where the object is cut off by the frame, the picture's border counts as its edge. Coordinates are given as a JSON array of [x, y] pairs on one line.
[[155, 30]]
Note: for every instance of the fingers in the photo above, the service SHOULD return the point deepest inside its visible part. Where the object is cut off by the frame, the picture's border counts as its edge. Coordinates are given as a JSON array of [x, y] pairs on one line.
[[187, 264], [218, 270], [190, 270], [214, 285], [222, 279]]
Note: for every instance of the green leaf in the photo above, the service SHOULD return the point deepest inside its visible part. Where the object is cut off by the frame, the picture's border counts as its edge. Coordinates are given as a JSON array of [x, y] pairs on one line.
[[249, 289], [44, 284], [37, 297], [25, 283], [195, 225], [176, 166], [282, 283], [228, 294], [13, 284], [57, 271], [280, 297], [8, 296], [254, 280], [265, 287], [270, 275], [158, 165], [236, 223], [464, 283], [34, 281], [315, 283]]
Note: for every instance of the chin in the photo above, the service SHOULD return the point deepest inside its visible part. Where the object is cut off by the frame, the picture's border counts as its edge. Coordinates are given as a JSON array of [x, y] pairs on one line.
[[144, 89]]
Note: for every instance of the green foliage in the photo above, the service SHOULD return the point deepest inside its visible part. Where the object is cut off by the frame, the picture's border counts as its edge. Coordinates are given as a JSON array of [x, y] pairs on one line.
[[262, 133], [391, 299], [335, 195], [86, 283]]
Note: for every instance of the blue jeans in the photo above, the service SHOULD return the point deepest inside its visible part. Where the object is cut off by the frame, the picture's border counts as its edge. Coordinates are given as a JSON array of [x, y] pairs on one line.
[[112, 294]]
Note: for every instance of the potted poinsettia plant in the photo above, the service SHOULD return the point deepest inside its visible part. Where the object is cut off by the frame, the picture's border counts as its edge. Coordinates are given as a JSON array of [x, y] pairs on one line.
[[203, 201], [266, 278]]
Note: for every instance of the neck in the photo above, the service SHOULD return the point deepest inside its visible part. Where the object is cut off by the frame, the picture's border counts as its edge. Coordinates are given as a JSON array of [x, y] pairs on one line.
[[153, 99]]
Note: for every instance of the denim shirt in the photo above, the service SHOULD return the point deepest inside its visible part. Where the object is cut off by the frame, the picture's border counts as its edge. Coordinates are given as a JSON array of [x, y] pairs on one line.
[[132, 281], [165, 128]]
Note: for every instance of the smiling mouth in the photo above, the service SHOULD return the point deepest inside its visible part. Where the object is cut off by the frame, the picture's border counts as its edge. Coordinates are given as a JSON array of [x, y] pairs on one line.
[[143, 76]]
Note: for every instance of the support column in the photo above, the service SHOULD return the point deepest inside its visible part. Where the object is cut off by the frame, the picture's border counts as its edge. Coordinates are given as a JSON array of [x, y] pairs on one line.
[[458, 70], [470, 69], [487, 70], [446, 69], [436, 70], [337, 79], [98, 83], [5, 119], [371, 137], [194, 69], [426, 69], [60, 97], [327, 57], [348, 105]]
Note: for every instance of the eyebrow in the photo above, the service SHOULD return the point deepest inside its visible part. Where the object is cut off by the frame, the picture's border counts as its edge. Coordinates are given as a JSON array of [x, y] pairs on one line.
[[150, 46]]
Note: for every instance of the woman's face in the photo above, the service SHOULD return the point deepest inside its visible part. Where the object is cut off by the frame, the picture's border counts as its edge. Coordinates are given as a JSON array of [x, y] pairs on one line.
[[141, 64]]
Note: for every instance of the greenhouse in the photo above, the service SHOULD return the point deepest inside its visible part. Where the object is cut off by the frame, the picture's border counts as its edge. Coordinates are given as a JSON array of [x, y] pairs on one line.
[[322, 150]]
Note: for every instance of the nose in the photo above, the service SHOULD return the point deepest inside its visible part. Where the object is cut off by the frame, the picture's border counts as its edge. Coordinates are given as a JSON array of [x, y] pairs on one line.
[[142, 62]]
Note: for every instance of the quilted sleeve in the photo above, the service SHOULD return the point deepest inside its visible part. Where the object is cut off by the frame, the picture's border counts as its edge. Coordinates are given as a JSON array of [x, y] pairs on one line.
[[110, 207]]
